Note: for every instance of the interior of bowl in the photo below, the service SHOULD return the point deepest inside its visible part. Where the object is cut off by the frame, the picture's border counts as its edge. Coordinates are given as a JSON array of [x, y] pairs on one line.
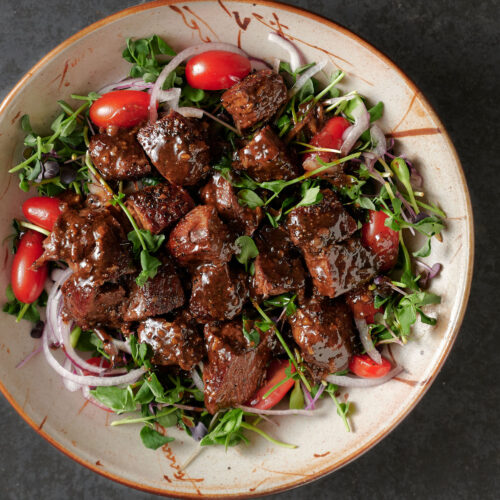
[[93, 58]]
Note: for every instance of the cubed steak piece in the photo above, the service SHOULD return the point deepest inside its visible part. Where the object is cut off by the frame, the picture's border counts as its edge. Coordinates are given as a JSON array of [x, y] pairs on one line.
[[278, 268], [255, 99], [318, 226], [235, 369], [201, 237], [220, 193], [159, 295], [265, 158], [339, 268], [156, 208], [93, 242], [217, 293], [89, 304], [175, 342], [118, 156], [178, 148], [323, 329]]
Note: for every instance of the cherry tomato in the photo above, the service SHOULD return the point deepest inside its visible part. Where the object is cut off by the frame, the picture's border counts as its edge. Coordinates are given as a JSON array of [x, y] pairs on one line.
[[216, 70], [27, 283], [364, 366], [362, 305], [330, 136], [121, 108], [275, 374], [42, 211], [96, 361], [381, 240]]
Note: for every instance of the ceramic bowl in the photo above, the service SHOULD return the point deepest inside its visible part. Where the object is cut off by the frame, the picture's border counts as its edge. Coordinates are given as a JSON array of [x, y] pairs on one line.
[[92, 58]]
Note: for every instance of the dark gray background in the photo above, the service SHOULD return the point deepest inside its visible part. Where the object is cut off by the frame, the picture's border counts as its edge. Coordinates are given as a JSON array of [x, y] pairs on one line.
[[448, 447]]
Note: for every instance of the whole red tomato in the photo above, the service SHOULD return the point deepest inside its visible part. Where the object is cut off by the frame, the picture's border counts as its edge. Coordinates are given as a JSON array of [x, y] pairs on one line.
[[381, 240], [42, 211], [121, 108], [27, 283], [216, 70]]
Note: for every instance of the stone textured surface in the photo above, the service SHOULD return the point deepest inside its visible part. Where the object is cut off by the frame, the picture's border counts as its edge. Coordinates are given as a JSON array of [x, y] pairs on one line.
[[448, 447]]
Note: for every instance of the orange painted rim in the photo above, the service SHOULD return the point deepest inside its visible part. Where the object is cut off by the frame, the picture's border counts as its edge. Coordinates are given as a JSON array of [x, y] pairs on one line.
[[459, 319]]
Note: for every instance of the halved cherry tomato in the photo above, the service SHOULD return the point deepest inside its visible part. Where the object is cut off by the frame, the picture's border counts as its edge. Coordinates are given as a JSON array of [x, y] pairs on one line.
[[363, 366], [275, 374], [381, 240], [330, 136], [216, 70], [121, 108], [42, 211], [96, 361], [362, 305], [27, 283]]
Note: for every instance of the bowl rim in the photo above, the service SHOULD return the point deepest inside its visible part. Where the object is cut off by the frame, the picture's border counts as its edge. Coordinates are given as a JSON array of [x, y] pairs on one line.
[[464, 299]]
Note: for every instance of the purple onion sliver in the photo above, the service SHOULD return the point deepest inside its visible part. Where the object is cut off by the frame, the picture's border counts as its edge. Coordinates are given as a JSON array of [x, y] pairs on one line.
[[311, 406], [199, 431], [307, 394], [29, 356]]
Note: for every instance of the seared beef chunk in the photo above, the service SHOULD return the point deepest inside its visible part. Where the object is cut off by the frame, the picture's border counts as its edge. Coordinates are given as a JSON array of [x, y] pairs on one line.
[[177, 147], [174, 342], [278, 268], [159, 295], [217, 293], [323, 329], [156, 208], [265, 158], [362, 302], [235, 369], [337, 269], [310, 121], [315, 227], [220, 193], [200, 237], [255, 99], [118, 155], [89, 304], [93, 242]]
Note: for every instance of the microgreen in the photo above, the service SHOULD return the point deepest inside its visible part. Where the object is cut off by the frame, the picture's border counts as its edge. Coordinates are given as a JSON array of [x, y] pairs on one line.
[[342, 408], [21, 310], [248, 251], [152, 439]]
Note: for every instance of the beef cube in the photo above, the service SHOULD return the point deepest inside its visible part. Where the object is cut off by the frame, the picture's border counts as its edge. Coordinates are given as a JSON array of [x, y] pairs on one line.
[[178, 148], [235, 369], [156, 208], [118, 155], [220, 193], [174, 342], [159, 295], [255, 99], [93, 242], [201, 237], [278, 269], [318, 226], [323, 330], [339, 268], [265, 158], [89, 304], [217, 293]]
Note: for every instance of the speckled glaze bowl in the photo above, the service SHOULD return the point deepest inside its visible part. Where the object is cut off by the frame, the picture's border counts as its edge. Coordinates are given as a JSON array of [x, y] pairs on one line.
[[92, 58]]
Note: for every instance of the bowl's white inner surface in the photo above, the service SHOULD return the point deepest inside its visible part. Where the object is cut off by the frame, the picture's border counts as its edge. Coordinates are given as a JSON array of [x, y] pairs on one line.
[[95, 60]]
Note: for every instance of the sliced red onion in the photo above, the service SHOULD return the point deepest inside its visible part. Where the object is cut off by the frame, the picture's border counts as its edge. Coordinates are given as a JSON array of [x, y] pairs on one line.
[[122, 345], [338, 100], [305, 76], [276, 65], [53, 304], [176, 61], [381, 142], [311, 405], [296, 60], [361, 123], [90, 381], [366, 340], [258, 64], [307, 394], [127, 83], [198, 382], [69, 384], [257, 411], [199, 431], [347, 381], [171, 96]]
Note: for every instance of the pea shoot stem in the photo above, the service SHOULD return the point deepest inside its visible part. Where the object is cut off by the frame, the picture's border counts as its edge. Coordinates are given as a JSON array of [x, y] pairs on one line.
[[28, 225], [283, 343], [124, 421], [22, 312], [267, 436]]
